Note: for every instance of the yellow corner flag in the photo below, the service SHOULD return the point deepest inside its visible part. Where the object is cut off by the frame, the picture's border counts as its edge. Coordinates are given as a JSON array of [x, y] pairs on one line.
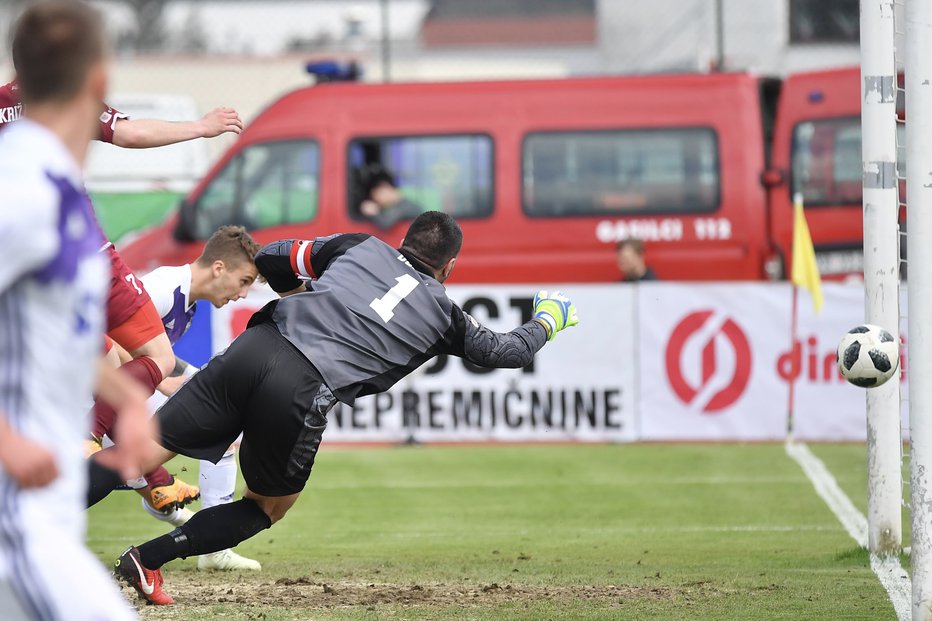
[[805, 271]]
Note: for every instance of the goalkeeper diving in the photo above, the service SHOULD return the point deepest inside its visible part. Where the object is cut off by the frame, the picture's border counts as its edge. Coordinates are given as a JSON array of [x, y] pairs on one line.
[[355, 316]]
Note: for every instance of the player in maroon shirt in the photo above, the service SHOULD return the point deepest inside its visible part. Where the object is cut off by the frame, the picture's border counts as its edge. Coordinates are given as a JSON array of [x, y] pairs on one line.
[[132, 320]]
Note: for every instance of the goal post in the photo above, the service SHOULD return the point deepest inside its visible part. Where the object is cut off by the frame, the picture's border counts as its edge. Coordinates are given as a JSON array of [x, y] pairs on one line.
[[881, 266], [919, 294]]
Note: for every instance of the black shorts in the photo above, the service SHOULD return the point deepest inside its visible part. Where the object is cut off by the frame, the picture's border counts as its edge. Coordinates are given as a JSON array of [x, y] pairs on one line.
[[265, 388]]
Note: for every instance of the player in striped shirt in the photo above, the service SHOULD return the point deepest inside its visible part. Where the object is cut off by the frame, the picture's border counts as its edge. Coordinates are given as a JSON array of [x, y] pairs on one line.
[[52, 291], [131, 319]]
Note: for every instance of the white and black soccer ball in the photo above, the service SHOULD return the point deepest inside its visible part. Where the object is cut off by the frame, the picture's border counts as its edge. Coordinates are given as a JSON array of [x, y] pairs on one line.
[[868, 356]]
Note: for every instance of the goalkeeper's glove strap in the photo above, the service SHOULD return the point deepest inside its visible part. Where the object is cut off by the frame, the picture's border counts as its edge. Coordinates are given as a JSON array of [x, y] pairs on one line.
[[549, 323]]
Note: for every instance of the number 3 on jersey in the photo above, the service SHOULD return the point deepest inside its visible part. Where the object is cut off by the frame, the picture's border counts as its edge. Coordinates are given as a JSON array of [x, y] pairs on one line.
[[385, 305]]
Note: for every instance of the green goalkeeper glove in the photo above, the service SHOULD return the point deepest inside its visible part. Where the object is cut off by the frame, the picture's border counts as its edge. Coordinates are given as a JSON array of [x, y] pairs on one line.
[[554, 311]]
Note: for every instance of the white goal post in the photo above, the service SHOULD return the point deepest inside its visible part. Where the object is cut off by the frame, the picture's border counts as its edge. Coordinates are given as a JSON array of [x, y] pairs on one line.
[[881, 266], [919, 293]]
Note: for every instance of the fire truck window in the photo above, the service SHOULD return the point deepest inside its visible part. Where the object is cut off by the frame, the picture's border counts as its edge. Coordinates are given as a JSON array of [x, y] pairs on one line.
[[827, 161], [265, 185], [621, 172], [394, 179]]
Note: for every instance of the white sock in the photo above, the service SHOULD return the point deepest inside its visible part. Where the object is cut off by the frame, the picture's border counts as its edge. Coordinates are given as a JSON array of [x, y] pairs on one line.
[[218, 481], [172, 518]]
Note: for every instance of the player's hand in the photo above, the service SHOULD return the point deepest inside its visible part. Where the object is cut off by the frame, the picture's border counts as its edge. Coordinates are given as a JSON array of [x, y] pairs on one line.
[[220, 121], [555, 311], [369, 208], [28, 463]]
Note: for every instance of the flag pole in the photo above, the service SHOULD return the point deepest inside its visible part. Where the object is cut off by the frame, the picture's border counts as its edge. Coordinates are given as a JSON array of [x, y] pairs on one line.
[[794, 366], [804, 272]]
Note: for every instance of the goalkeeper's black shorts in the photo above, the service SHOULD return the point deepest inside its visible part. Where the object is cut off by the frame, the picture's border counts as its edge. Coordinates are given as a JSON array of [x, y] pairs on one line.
[[264, 388]]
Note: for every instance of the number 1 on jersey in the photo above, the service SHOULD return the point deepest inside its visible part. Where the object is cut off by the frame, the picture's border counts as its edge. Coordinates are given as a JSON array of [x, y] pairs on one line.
[[385, 305]]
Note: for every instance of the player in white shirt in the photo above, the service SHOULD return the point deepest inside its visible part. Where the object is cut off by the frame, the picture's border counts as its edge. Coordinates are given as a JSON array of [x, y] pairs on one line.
[[223, 273], [52, 290]]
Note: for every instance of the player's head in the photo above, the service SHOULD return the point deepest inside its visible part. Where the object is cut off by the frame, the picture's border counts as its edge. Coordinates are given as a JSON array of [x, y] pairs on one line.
[[228, 266], [373, 175], [631, 258], [59, 54], [435, 239]]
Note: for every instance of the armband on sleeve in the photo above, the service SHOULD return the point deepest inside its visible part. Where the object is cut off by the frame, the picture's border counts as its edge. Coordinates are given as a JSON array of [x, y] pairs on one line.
[[301, 253]]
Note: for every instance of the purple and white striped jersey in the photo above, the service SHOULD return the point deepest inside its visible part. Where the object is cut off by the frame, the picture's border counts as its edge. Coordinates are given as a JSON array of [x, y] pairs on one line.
[[170, 290], [53, 286]]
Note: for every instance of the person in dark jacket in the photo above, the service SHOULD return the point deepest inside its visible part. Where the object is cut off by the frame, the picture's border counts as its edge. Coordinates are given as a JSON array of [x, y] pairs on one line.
[[631, 261], [382, 202]]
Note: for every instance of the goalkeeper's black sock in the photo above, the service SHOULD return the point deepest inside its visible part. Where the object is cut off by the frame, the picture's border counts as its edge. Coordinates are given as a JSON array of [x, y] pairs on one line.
[[209, 530], [100, 482]]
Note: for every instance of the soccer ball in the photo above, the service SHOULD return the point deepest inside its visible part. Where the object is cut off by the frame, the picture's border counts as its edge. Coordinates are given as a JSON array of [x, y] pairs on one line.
[[868, 356]]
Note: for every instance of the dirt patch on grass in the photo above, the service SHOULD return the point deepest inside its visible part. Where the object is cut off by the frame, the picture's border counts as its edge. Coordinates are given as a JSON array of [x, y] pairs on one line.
[[195, 593]]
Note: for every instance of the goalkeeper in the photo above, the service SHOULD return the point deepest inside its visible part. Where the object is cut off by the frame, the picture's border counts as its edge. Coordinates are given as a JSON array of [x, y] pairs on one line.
[[355, 316]]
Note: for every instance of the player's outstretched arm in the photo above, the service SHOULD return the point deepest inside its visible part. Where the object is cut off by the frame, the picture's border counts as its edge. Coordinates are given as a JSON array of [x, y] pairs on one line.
[[517, 348], [147, 133]]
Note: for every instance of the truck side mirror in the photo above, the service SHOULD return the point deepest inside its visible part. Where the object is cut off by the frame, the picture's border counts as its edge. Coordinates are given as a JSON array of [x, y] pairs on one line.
[[186, 228]]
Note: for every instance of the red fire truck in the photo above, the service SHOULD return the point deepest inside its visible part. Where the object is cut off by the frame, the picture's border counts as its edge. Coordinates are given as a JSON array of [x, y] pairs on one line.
[[546, 176]]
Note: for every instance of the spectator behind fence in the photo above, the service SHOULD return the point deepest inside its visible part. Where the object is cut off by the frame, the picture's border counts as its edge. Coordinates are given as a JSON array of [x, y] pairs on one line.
[[382, 202], [631, 261]]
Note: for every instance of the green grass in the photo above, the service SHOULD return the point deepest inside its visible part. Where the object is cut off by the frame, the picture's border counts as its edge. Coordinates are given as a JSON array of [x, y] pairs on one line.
[[848, 463], [555, 532]]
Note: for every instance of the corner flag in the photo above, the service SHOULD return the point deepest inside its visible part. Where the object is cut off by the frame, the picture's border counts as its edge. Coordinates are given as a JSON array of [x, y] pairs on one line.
[[805, 271]]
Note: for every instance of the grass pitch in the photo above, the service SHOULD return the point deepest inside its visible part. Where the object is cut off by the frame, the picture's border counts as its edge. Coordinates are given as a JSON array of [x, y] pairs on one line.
[[537, 532]]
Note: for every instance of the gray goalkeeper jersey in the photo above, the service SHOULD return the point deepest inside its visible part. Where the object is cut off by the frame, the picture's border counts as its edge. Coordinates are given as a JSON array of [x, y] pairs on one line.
[[374, 314]]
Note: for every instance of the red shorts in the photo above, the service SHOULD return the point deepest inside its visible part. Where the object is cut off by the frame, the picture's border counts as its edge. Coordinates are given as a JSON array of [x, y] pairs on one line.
[[131, 318]]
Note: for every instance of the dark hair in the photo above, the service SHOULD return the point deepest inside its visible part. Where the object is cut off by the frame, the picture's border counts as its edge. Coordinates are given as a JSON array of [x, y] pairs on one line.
[[55, 44], [372, 175], [230, 244], [632, 242], [434, 237]]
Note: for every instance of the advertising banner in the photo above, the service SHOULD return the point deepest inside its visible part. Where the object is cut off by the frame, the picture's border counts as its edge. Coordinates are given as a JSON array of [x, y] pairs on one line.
[[717, 363], [581, 386], [706, 359], [657, 361]]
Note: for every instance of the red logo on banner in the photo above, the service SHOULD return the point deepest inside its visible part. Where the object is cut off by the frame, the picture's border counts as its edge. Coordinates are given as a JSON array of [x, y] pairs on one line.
[[724, 396]]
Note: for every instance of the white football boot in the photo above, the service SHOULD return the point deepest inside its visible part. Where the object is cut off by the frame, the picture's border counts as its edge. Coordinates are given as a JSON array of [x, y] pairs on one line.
[[227, 560]]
